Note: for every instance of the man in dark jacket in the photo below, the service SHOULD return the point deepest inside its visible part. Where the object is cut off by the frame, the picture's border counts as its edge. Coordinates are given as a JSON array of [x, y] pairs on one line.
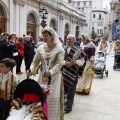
[[29, 52], [7, 47]]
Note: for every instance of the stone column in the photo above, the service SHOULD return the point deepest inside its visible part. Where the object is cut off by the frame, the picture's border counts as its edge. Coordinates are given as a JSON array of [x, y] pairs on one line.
[[61, 26], [12, 20], [19, 18], [22, 21]]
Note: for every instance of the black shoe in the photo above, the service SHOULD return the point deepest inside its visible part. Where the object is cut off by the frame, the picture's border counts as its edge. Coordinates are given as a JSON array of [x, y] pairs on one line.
[[67, 109], [86, 93]]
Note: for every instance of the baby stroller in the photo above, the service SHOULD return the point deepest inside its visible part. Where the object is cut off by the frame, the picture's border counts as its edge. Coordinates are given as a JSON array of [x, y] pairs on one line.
[[29, 103], [116, 60], [100, 64]]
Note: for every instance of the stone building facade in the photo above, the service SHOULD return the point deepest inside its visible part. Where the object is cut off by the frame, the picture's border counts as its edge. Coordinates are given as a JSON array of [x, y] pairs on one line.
[[100, 21], [22, 17], [85, 6], [97, 17]]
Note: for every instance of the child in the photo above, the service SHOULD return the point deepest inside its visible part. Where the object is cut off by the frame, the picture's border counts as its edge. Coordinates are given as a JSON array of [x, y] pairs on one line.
[[7, 79], [29, 103], [100, 59]]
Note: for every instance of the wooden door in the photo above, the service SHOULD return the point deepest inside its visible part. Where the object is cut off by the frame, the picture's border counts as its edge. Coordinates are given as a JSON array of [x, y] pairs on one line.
[[31, 29], [2, 25], [31, 25]]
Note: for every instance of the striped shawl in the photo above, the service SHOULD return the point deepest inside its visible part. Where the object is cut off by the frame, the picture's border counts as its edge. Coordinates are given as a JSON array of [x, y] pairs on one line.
[[69, 74]]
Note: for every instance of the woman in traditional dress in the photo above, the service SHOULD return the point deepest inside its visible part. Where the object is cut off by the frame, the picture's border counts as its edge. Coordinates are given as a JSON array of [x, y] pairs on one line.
[[85, 82], [103, 46], [51, 55]]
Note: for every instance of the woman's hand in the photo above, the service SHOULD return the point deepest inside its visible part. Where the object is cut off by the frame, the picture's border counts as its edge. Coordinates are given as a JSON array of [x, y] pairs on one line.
[[47, 73], [92, 65]]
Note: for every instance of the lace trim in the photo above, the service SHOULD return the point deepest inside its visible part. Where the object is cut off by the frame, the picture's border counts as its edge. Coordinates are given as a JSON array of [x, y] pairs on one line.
[[54, 108]]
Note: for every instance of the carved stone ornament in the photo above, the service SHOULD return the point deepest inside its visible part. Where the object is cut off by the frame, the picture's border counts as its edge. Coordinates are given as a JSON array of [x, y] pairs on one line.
[[20, 2]]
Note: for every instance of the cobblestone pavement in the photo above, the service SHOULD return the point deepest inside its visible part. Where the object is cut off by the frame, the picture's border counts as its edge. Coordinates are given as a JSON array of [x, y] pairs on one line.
[[103, 102]]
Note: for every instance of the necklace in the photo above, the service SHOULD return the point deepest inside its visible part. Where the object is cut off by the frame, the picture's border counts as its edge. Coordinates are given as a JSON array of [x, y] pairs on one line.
[[49, 46]]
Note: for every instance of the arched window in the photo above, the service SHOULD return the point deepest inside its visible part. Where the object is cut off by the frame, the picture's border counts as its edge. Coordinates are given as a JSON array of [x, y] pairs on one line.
[[66, 27], [31, 18], [2, 20], [1, 12], [31, 26], [66, 32], [93, 15], [53, 24]]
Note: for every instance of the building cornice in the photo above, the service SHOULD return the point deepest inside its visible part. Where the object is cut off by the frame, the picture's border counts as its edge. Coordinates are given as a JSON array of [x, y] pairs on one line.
[[100, 11], [58, 6], [20, 2], [114, 4]]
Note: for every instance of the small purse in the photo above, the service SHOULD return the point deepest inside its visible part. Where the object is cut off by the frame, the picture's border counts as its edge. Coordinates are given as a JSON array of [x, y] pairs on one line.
[[45, 78]]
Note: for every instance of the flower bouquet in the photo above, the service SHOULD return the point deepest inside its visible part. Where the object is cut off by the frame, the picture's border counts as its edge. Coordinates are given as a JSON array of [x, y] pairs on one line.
[[14, 84], [46, 89], [90, 71], [76, 56]]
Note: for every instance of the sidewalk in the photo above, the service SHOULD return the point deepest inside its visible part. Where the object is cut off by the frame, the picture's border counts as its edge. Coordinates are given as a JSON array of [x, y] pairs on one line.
[[103, 103]]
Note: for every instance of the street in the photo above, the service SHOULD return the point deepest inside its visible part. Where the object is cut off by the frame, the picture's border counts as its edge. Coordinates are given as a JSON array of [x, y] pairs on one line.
[[103, 102]]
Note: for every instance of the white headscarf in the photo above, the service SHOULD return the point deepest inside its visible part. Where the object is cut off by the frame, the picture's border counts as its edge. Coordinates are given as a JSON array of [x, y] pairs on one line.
[[53, 32], [86, 36]]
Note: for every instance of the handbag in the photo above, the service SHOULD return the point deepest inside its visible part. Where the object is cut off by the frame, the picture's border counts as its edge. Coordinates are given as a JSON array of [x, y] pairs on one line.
[[45, 78]]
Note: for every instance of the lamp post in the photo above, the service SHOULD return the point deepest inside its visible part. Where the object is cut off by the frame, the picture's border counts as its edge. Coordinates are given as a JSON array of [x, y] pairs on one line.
[[77, 29], [43, 14], [93, 34]]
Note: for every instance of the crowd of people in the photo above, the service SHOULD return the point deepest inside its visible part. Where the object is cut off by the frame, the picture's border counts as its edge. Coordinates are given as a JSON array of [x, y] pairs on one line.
[[63, 66]]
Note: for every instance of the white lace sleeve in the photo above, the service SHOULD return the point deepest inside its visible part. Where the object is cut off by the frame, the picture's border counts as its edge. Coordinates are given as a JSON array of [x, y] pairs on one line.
[[92, 58], [36, 61], [80, 62]]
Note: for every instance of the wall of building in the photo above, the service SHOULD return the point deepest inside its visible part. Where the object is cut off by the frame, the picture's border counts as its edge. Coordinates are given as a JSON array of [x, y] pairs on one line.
[[85, 6], [100, 21], [17, 11]]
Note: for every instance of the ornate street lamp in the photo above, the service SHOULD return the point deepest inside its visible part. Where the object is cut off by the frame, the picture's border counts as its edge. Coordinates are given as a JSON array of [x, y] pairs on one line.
[[43, 14], [77, 22]]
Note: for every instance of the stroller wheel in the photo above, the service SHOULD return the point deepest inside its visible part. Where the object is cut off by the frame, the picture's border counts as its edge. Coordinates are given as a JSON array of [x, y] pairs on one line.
[[101, 75], [106, 73]]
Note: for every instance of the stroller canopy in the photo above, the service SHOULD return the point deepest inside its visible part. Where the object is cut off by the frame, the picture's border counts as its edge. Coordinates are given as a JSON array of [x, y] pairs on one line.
[[29, 86]]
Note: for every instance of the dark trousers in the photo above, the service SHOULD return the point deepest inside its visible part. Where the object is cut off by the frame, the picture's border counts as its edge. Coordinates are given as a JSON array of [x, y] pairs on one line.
[[27, 67], [18, 67], [4, 109], [70, 93], [28, 61], [1, 103]]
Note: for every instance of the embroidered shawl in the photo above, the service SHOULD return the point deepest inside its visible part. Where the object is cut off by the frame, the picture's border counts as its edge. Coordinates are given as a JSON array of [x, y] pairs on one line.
[[7, 93], [69, 74]]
